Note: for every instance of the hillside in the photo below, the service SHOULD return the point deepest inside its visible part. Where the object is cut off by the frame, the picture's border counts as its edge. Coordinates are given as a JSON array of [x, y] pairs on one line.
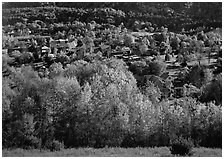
[[173, 15], [109, 79]]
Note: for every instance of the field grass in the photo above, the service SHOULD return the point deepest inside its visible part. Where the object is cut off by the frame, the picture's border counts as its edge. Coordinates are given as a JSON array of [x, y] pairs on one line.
[[109, 152]]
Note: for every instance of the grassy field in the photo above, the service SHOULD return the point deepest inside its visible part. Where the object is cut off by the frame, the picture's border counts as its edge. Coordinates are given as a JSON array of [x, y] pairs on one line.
[[110, 152]]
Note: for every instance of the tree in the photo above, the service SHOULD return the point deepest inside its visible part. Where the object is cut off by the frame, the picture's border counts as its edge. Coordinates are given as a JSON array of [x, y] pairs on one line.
[[212, 91], [205, 11], [199, 75]]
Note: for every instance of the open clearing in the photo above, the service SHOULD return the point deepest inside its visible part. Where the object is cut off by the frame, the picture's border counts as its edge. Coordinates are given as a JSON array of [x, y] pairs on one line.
[[110, 152]]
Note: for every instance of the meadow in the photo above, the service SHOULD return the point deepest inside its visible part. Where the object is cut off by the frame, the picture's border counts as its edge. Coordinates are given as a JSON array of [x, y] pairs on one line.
[[110, 152]]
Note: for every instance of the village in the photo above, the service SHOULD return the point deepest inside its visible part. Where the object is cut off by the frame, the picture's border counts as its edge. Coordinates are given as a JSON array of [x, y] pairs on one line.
[[106, 78], [133, 47]]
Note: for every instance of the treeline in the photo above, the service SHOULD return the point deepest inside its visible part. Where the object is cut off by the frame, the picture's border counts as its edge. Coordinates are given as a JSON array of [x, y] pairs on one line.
[[98, 104]]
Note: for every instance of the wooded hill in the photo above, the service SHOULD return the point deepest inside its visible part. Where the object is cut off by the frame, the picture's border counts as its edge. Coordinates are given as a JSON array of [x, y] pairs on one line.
[[178, 14]]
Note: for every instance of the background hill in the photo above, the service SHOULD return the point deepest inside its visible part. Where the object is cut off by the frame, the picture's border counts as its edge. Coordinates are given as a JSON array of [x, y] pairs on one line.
[[180, 15]]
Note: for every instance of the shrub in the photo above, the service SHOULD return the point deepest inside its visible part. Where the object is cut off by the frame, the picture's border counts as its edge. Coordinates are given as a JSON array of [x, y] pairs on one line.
[[133, 140], [181, 146], [54, 145], [32, 142], [156, 67]]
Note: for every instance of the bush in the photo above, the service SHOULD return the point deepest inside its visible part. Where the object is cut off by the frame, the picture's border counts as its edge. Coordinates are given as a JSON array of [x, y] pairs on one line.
[[133, 140], [32, 143], [181, 146], [54, 145], [156, 68]]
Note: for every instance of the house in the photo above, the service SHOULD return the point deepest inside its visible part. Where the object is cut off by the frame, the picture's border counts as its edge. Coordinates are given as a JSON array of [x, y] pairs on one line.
[[61, 43], [45, 49]]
